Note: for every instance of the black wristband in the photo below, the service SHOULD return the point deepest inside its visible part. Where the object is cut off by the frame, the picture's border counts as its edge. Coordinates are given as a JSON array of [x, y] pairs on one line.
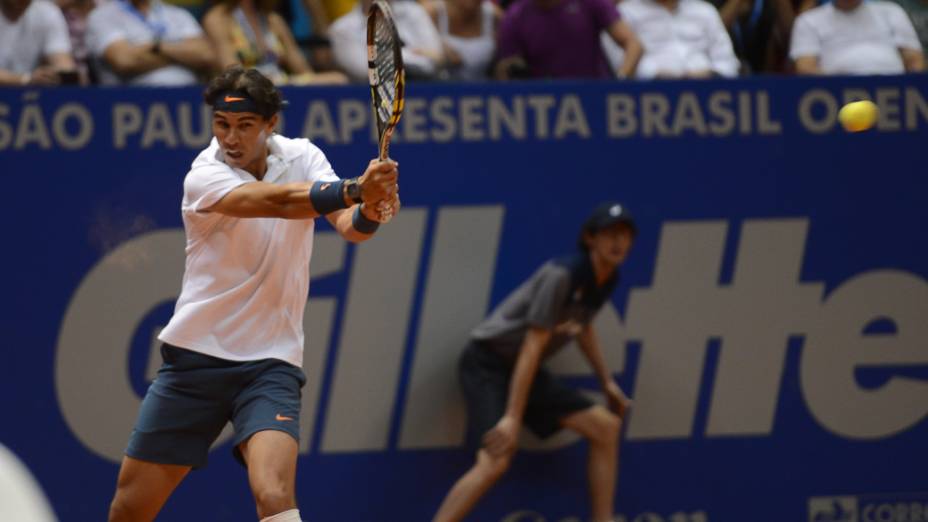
[[327, 196], [362, 224]]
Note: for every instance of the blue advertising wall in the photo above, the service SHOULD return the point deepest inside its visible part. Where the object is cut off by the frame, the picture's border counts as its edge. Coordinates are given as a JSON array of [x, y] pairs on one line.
[[770, 323]]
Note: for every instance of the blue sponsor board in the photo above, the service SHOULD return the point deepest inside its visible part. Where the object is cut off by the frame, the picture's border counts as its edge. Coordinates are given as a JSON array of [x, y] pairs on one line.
[[769, 325]]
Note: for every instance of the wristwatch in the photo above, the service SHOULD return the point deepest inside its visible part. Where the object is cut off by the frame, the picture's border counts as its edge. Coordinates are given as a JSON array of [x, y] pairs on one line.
[[353, 190]]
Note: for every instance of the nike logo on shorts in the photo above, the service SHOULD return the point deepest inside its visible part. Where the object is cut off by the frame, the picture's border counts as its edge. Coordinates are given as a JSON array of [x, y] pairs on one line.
[[282, 418]]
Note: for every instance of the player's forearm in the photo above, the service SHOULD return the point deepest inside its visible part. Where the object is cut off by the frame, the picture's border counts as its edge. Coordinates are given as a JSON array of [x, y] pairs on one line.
[[347, 224], [254, 200], [524, 373]]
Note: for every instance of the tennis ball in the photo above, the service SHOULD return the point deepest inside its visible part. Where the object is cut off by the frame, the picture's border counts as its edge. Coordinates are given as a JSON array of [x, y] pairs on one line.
[[858, 116]]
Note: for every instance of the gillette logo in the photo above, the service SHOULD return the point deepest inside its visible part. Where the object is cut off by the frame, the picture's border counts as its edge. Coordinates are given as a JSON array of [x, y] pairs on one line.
[[870, 508], [833, 509]]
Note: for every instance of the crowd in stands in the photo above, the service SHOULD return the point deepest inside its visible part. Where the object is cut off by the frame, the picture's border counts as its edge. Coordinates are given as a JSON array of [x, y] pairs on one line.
[[180, 42]]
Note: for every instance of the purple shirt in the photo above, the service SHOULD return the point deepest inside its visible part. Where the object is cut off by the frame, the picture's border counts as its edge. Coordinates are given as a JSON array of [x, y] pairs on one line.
[[561, 41]]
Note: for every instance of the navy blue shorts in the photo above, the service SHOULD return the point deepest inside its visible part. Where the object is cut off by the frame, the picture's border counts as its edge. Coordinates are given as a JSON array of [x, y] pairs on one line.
[[485, 380], [194, 395]]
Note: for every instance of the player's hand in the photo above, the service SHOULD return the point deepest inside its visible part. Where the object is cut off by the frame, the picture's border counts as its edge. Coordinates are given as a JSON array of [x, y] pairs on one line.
[[387, 209], [501, 440], [619, 403], [378, 183]]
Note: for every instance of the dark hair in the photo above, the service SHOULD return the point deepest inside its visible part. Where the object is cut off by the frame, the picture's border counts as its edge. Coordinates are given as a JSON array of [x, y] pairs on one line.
[[249, 81]]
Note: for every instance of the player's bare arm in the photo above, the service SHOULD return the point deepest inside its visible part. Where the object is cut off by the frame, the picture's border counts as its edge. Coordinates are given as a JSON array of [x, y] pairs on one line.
[[293, 201], [589, 345], [625, 37], [501, 440]]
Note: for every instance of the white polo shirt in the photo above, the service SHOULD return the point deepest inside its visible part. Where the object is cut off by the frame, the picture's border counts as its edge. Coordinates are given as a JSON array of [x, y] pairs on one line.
[[865, 40], [676, 42], [246, 279], [118, 20], [39, 32]]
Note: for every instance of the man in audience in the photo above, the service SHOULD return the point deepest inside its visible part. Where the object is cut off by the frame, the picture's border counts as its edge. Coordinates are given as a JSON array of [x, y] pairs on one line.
[[681, 38], [423, 54], [856, 37], [918, 12], [560, 39], [34, 45], [751, 27], [147, 42]]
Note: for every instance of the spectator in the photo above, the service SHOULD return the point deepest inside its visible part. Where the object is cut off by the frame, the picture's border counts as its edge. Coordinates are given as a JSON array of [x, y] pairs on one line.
[[75, 15], [34, 46], [309, 23], [147, 42], [560, 39], [251, 34], [681, 38], [468, 32], [750, 25], [918, 13], [423, 54], [197, 8], [785, 13], [856, 37]]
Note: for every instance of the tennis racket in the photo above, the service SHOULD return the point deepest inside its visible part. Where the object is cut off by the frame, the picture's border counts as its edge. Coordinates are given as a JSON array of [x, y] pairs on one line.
[[387, 78]]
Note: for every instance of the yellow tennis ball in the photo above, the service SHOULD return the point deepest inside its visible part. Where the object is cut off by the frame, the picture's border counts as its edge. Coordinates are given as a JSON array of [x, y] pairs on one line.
[[858, 116]]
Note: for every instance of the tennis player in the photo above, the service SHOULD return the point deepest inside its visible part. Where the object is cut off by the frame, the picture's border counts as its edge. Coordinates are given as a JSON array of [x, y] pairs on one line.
[[233, 349], [507, 387]]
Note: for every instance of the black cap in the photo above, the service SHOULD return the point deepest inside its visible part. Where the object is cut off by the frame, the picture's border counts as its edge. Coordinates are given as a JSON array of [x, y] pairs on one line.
[[608, 214]]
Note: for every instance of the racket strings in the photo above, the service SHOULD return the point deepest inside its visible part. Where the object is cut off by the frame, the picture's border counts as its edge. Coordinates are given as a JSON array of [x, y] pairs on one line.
[[385, 64]]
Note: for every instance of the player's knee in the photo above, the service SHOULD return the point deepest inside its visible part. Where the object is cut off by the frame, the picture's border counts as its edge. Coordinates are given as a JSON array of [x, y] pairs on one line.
[[608, 426], [121, 510], [494, 467], [273, 498]]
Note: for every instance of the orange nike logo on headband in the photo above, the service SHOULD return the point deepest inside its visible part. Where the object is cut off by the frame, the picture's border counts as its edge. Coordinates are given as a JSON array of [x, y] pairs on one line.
[[230, 99]]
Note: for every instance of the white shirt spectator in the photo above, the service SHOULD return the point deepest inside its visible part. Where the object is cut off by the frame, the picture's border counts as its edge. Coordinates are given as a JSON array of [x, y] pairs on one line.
[[863, 40], [476, 52], [40, 31], [677, 42], [421, 42], [119, 20]]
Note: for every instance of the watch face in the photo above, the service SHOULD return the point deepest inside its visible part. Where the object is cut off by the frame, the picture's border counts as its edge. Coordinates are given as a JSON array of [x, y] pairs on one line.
[[354, 191]]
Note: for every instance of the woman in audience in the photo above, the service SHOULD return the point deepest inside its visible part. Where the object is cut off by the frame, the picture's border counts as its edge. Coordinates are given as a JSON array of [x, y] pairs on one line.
[[250, 33], [468, 32]]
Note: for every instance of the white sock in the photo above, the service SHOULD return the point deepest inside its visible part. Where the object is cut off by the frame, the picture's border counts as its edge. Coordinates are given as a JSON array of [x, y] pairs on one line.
[[291, 515]]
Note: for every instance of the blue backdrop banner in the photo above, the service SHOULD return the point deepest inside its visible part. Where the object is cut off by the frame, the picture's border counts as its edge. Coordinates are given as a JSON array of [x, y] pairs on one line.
[[770, 324]]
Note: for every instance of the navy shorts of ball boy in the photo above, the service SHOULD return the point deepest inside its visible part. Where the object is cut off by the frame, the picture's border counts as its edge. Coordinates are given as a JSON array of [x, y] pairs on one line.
[[195, 394]]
